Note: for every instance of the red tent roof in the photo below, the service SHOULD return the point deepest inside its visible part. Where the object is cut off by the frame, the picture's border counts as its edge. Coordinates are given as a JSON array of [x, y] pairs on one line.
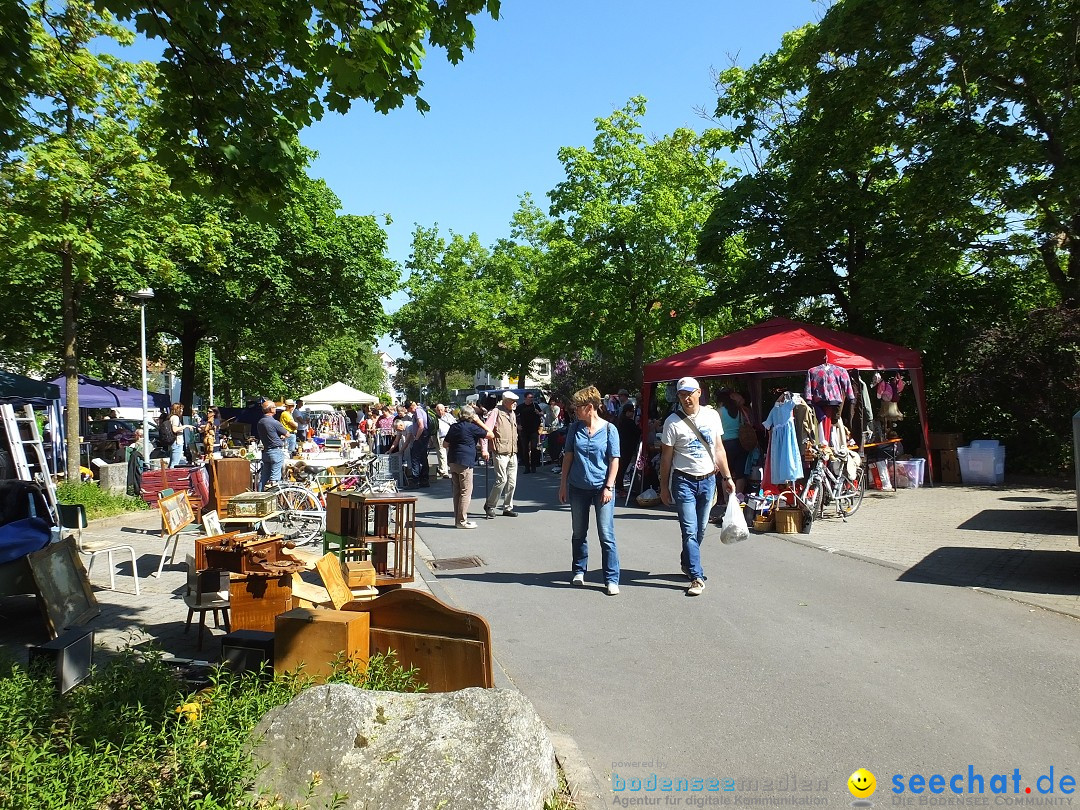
[[781, 346]]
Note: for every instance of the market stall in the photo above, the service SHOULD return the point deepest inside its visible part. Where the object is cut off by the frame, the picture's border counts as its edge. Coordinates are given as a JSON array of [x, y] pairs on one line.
[[781, 347], [19, 391]]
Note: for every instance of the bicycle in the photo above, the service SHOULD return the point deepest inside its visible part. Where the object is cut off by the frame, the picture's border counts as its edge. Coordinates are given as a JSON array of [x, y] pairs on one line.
[[300, 507], [840, 490]]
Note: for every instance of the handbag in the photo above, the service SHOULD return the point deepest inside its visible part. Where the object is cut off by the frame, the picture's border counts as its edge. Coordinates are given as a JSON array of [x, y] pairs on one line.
[[748, 437]]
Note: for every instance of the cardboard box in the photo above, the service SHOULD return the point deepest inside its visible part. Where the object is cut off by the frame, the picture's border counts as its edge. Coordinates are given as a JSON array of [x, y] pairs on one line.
[[949, 466], [360, 574], [317, 638], [946, 441]]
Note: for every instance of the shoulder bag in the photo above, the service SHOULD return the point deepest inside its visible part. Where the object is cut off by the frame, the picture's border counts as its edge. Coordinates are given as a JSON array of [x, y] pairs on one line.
[[748, 437]]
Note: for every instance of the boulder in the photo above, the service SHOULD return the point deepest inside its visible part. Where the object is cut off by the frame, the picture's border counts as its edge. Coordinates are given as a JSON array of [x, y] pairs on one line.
[[467, 749], [112, 478]]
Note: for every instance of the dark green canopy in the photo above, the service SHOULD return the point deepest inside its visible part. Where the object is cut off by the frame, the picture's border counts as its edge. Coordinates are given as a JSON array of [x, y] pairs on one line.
[[15, 386]]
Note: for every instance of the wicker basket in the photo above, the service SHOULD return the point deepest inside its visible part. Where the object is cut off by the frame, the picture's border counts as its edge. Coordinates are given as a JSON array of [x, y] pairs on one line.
[[763, 524], [647, 501], [789, 520]]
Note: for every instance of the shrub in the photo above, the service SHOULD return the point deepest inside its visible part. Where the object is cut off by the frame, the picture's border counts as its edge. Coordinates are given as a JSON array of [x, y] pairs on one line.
[[131, 737], [97, 501]]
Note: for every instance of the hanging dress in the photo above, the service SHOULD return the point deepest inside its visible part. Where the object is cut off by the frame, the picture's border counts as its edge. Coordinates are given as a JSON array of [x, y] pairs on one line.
[[785, 460]]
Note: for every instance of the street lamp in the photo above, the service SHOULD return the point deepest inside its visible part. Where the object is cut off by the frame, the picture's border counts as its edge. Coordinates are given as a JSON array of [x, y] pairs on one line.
[[142, 296]]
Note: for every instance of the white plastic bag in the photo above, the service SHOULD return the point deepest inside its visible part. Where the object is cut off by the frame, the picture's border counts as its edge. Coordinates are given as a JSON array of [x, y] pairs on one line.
[[734, 527]]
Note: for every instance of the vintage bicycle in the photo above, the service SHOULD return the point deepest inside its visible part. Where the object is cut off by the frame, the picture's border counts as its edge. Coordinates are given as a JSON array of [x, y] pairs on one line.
[[831, 482], [300, 508]]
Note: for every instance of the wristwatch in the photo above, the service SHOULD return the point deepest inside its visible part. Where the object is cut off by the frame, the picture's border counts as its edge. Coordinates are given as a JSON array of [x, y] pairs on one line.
[[607, 487]]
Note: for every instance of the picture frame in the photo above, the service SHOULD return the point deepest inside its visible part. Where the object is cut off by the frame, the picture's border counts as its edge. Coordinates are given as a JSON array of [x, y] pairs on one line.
[[175, 512], [67, 600]]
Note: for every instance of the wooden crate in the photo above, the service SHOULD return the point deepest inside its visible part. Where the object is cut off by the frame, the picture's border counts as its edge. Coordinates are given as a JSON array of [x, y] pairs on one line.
[[386, 528], [359, 574], [316, 638], [255, 600]]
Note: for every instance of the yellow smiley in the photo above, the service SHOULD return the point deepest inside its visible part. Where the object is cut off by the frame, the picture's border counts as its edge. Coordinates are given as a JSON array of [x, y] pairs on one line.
[[862, 784]]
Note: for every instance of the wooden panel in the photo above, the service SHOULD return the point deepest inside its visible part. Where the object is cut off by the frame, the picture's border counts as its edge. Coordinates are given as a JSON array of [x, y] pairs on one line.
[[316, 638], [445, 664], [256, 600], [417, 611], [228, 477], [333, 578]]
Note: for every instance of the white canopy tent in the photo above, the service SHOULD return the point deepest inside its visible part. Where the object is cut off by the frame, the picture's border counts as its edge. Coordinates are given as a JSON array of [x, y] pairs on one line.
[[339, 394]]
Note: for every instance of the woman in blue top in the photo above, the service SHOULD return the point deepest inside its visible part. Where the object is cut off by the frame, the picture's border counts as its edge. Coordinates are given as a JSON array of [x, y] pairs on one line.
[[589, 464]]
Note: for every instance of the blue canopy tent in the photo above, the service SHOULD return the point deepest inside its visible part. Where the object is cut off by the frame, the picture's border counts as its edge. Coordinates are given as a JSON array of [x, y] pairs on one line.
[[18, 391], [97, 394]]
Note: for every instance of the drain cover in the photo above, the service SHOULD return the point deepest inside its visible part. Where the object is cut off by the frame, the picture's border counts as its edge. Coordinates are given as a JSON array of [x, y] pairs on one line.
[[449, 563]]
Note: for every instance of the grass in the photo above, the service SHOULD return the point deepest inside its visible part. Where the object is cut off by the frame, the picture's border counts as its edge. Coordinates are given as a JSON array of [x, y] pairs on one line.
[[130, 737], [98, 502]]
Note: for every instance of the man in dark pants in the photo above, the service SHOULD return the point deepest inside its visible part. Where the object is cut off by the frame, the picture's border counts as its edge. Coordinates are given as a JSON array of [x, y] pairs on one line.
[[529, 419]]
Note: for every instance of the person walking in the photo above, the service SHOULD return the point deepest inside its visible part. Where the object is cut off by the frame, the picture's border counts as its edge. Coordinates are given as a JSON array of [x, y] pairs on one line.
[[272, 434], [691, 454], [503, 425], [445, 420], [529, 419], [587, 481], [459, 446]]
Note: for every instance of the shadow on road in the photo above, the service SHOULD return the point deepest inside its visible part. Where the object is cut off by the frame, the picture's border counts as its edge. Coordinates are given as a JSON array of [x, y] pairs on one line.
[[561, 579], [1056, 572], [1035, 520]]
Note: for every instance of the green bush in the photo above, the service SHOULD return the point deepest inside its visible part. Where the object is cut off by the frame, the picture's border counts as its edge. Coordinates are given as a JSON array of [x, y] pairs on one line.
[[130, 737], [98, 502]]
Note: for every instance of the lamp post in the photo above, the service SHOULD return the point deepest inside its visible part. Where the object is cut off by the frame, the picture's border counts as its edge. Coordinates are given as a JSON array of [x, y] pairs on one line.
[[142, 296]]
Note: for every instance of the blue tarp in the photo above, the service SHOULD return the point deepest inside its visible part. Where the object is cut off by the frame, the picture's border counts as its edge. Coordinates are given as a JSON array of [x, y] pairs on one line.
[[97, 394]]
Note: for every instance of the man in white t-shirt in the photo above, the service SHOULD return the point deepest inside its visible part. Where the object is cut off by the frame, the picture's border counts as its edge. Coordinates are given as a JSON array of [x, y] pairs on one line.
[[446, 419], [688, 470]]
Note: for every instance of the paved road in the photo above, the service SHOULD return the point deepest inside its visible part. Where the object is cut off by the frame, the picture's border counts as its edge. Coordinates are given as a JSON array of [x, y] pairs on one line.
[[794, 661]]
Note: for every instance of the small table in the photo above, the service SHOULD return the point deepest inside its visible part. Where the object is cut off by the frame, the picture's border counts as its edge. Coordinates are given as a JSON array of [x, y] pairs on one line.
[[891, 461]]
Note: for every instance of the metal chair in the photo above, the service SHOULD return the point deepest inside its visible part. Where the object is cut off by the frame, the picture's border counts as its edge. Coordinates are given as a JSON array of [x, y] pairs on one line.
[[207, 590], [73, 517]]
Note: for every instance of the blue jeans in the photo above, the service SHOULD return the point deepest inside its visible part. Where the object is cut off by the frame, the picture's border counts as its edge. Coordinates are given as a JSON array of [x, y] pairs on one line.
[[580, 502], [176, 454], [693, 500], [290, 445], [273, 459]]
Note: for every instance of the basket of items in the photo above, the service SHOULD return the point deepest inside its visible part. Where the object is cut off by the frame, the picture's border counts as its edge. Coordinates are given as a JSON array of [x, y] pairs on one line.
[[649, 497], [789, 515]]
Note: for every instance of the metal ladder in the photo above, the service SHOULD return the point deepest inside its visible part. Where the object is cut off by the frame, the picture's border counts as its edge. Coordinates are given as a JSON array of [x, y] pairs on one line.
[[16, 444]]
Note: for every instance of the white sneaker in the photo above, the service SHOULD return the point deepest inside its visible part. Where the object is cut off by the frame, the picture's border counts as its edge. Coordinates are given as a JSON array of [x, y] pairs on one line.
[[579, 579], [612, 589], [696, 587], [468, 524]]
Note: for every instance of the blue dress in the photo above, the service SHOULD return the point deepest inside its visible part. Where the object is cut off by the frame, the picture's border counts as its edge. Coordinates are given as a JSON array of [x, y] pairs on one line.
[[785, 460]]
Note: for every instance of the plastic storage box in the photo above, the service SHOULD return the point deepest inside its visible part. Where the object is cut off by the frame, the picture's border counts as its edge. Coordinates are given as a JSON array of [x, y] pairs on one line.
[[983, 462], [910, 473]]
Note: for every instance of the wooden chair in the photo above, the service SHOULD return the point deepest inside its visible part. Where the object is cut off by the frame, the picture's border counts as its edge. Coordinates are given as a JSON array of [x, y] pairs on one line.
[[73, 516], [206, 591], [451, 647]]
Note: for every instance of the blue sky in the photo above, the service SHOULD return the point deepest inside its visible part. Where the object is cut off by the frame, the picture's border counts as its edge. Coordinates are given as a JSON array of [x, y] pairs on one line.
[[536, 81]]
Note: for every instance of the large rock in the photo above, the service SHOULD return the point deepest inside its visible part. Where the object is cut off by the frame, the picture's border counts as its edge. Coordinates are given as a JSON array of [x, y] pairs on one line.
[[476, 748]]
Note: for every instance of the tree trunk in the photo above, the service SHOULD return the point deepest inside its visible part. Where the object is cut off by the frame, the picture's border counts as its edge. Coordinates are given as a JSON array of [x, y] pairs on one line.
[[190, 336], [71, 364], [639, 357]]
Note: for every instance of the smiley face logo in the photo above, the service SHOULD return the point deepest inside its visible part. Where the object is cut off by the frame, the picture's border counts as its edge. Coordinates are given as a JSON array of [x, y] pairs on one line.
[[862, 784]]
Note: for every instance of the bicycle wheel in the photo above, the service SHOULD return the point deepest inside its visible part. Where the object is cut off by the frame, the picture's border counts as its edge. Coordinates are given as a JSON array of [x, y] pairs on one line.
[[812, 500], [301, 518], [852, 496]]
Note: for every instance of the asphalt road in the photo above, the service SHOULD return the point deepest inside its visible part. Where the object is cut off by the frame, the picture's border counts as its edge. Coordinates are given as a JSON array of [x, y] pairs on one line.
[[794, 662]]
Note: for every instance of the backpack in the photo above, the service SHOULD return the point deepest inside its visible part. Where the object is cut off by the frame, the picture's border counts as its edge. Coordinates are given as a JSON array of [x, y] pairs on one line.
[[165, 435]]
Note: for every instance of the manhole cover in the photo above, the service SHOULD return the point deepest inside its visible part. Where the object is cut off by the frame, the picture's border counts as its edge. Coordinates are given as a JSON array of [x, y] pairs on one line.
[[456, 562]]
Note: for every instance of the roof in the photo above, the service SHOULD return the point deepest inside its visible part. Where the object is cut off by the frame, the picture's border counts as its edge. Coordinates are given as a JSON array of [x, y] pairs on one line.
[[781, 346], [97, 394], [340, 394]]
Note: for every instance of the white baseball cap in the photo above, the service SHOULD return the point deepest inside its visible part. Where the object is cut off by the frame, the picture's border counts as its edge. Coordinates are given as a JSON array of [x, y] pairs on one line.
[[688, 384], [509, 395]]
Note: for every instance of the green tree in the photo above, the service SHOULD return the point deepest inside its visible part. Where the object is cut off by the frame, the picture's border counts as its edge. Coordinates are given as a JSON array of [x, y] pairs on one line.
[[625, 276], [84, 205], [240, 80]]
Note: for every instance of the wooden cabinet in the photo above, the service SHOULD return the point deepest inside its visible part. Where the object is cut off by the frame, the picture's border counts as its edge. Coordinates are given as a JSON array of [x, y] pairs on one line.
[[317, 638]]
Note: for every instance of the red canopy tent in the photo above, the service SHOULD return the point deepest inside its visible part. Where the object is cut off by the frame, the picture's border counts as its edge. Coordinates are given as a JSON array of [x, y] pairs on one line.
[[780, 347]]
